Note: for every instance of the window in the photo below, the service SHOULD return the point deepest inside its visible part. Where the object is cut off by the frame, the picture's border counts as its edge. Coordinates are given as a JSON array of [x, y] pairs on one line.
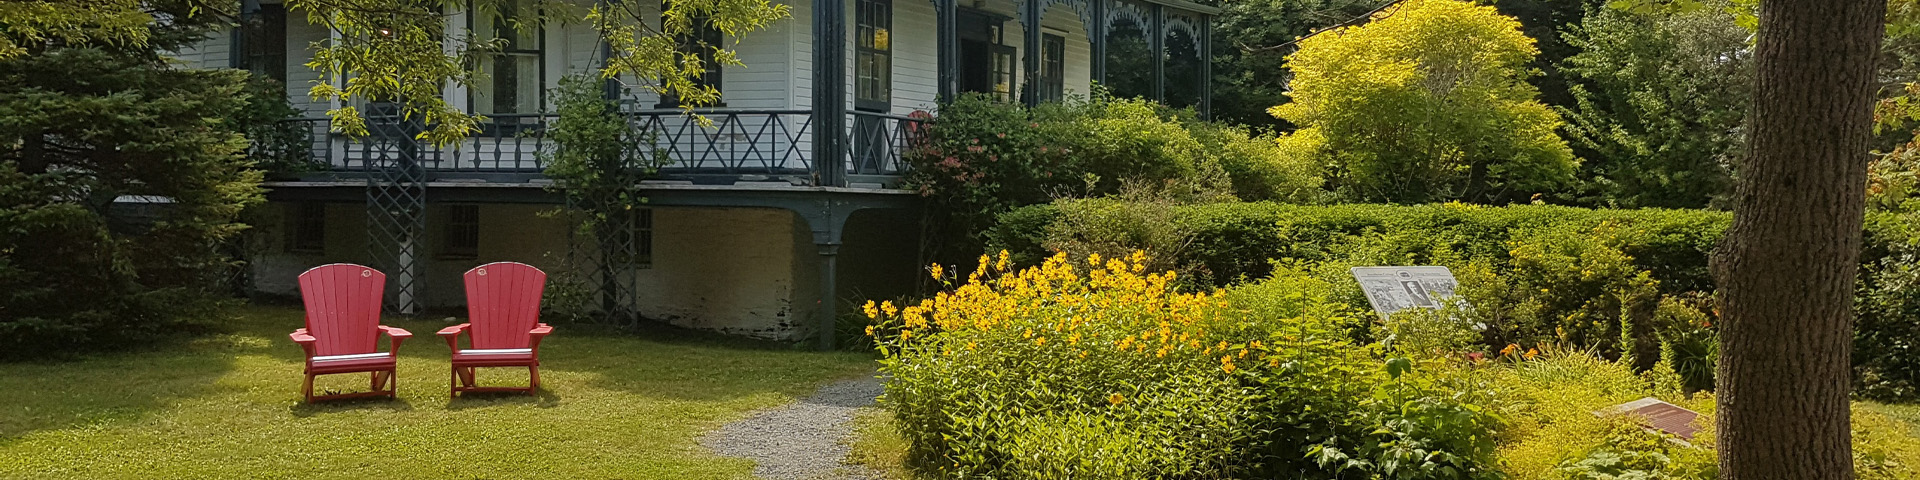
[[1003, 72], [1053, 61], [699, 44], [308, 232], [265, 42], [986, 63], [873, 55], [508, 88], [643, 237], [462, 239]]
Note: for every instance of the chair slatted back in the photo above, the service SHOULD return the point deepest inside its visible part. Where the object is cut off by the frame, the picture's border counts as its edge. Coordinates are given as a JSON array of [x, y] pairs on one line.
[[503, 303], [343, 307]]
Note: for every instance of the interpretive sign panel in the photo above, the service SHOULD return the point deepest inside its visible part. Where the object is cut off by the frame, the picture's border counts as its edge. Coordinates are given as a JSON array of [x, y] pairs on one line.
[[1392, 289]]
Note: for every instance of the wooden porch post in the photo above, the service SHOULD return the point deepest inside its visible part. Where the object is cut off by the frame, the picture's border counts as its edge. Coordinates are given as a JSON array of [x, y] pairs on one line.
[[1157, 43], [1097, 39], [947, 13], [1030, 13], [829, 93], [829, 252], [1206, 68]]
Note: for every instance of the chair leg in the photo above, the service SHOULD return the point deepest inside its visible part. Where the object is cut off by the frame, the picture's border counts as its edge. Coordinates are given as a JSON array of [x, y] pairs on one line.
[[374, 383], [306, 388], [533, 371], [453, 382], [393, 383]]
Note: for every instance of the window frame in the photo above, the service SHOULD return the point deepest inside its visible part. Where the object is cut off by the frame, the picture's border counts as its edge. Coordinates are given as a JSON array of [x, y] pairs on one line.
[[265, 27], [460, 233], [642, 222], [701, 42], [873, 40], [1053, 68], [491, 62], [307, 228]]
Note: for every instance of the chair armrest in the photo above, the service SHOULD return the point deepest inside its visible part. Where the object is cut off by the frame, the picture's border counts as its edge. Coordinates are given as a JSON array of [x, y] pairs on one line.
[[397, 334], [452, 335], [305, 340], [539, 331]]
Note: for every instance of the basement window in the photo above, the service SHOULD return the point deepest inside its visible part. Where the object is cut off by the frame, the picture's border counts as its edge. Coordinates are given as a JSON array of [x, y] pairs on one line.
[[462, 235], [308, 228]]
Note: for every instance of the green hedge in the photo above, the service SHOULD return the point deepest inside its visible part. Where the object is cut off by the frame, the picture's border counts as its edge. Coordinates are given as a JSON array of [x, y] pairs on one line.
[[1231, 242], [1642, 279]]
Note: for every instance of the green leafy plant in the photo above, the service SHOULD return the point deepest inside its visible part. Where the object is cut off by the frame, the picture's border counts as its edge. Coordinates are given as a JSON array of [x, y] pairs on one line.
[[1426, 102], [79, 269]]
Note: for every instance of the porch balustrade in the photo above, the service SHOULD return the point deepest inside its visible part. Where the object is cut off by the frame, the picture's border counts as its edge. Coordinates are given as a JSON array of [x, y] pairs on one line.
[[741, 145]]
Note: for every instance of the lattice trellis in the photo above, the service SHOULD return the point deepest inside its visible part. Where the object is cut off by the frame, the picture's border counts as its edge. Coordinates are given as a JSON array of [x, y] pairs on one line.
[[610, 254], [396, 207], [614, 243]]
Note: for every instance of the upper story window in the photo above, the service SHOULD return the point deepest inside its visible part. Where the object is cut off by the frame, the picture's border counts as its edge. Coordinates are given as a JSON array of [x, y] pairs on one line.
[[264, 41], [699, 44], [511, 77], [1053, 62], [873, 55]]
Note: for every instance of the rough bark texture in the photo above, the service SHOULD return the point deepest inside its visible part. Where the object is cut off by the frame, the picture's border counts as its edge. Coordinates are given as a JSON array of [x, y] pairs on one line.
[[1786, 269]]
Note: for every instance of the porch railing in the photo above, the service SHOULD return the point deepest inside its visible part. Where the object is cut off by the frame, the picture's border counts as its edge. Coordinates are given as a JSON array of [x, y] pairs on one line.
[[741, 144]]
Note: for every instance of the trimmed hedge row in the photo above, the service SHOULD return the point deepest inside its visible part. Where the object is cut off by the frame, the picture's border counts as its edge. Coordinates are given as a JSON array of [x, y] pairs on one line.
[[1229, 243], [1232, 242]]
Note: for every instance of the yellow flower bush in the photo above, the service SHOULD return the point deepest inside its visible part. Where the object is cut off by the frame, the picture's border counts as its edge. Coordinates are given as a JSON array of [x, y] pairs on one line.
[[1096, 367]]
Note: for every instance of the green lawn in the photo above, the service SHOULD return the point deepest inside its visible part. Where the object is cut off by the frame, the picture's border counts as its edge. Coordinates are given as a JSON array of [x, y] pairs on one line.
[[228, 406]]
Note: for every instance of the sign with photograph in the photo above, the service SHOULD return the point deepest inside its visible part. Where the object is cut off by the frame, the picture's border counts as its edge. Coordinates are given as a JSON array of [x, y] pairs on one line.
[[1392, 289]]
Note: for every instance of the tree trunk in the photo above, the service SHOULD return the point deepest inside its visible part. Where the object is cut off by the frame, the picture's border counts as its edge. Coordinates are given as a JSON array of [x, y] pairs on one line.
[[1786, 268]]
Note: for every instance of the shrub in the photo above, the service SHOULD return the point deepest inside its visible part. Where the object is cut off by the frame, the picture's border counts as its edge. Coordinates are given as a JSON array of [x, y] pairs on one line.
[[982, 158], [1052, 372], [1426, 102], [1554, 434], [1886, 342], [79, 270], [1256, 165], [1533, 274]]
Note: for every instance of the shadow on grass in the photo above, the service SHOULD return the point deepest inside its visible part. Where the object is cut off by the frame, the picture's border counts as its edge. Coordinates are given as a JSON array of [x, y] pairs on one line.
[[102, 389], [542, 398], [304, 409]]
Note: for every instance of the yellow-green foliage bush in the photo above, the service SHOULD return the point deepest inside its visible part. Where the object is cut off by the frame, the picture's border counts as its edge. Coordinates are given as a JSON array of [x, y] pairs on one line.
[[1427, 102], [1553, 432], [1099, 369]]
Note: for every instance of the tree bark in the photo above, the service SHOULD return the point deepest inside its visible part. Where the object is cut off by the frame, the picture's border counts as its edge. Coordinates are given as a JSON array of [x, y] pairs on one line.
[[1786, 267]]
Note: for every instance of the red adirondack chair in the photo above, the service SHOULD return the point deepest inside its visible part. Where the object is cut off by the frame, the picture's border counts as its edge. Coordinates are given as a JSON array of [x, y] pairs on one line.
[[343, 328], [503, 329]]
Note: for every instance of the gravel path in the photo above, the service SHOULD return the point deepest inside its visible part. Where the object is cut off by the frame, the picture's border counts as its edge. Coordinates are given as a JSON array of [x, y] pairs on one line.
[[805, 440]]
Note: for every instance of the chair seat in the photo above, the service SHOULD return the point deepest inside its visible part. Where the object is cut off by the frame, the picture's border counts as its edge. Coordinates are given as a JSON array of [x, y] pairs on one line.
[[494, 357], [359, 362]]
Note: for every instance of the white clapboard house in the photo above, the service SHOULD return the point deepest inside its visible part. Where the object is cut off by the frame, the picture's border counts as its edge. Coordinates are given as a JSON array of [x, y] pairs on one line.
[[758, 224]]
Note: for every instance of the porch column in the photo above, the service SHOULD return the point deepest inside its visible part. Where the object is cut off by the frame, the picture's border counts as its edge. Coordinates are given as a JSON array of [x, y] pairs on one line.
[[1097, 38], [829, 316], [1157, 44], [947, 15], [1206, 68], [1030, 13], [830, 93]]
